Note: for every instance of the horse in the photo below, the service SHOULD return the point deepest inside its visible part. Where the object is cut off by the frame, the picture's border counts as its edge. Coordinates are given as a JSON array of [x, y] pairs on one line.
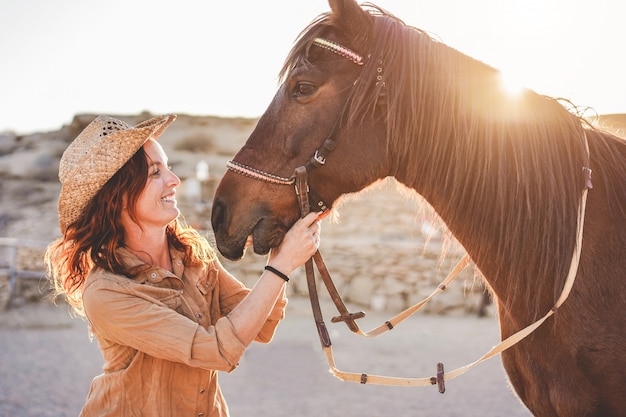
[[363, 96]]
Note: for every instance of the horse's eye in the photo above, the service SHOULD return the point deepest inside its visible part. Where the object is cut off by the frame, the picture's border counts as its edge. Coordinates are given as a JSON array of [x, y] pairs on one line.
[[304, 89]]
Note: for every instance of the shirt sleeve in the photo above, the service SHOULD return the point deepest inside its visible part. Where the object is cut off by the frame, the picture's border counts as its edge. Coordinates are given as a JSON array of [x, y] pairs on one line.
[[141, 317], [232, 291]]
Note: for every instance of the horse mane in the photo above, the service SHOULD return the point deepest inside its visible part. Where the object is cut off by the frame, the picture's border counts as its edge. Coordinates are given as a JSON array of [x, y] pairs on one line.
[[514, 159]]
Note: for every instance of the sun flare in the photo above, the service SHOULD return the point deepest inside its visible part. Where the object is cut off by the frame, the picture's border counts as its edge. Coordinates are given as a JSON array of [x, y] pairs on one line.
[[511, 84]]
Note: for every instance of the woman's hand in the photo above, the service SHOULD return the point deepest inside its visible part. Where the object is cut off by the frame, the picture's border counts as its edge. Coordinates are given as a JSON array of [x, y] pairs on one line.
[[299, 244]]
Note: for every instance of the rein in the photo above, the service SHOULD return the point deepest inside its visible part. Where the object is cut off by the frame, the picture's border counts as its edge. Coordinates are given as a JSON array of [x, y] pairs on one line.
[[441, 377], [307, 198]]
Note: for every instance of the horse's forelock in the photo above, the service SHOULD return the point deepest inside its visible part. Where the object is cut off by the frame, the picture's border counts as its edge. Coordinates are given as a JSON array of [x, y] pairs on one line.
[[300, 50]]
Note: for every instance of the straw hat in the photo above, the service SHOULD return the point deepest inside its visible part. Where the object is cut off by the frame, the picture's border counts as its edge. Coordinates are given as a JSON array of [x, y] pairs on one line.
[[98, 152]]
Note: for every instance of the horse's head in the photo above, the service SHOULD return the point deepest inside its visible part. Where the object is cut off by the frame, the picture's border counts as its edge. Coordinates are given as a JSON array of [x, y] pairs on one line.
[[327, 75]]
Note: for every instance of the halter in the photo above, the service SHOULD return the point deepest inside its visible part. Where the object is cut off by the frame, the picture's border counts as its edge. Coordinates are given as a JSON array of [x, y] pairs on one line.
[[319, 157]]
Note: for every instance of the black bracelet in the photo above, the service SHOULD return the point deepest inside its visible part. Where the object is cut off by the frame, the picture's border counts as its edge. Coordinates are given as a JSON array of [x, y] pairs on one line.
[[277, 272]]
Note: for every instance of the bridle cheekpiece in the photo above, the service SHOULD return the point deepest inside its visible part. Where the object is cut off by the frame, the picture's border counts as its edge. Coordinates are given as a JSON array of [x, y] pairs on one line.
[[319, 158]]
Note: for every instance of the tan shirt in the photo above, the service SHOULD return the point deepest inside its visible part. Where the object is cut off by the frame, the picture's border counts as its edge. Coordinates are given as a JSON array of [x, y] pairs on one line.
[[163, 337]]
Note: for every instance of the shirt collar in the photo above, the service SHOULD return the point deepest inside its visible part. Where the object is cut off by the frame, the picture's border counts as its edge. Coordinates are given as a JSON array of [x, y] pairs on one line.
[[153, 273]]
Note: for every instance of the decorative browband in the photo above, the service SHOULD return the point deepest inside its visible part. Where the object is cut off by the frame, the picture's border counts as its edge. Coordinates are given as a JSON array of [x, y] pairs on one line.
[[339, 50]]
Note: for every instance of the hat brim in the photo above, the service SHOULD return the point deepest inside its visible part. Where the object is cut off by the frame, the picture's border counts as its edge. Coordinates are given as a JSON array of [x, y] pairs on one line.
[[100, 164]]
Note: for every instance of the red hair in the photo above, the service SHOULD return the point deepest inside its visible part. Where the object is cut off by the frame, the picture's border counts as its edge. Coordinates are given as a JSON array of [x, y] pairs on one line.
[[93, 239]]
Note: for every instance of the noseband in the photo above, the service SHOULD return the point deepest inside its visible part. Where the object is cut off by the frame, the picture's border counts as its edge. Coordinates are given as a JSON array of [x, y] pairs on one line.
[[319, 157]]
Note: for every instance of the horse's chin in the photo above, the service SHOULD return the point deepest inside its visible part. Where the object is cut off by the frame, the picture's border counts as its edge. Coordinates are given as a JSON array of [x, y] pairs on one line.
[[267, 234], [231, 252]]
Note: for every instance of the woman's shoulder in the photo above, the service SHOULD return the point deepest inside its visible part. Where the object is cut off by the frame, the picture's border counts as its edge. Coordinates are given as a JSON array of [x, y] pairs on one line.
[[102, 278], [101, 287]]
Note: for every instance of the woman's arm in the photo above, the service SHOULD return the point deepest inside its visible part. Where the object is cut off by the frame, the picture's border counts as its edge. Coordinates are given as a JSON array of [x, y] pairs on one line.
[[299, 244]]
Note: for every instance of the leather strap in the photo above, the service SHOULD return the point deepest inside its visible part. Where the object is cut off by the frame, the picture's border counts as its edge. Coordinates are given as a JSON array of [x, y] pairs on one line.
[[302, 193], [345, 315], [500, 347]]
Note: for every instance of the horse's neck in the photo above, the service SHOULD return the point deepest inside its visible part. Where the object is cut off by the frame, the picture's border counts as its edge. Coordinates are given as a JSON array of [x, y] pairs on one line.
[[482, 237]]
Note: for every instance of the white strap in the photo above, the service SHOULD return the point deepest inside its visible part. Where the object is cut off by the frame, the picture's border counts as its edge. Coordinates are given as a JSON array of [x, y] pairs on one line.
[[505, 344], [390, 324]]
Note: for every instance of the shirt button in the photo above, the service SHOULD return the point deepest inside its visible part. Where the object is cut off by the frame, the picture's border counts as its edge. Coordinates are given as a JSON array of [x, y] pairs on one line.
[[153, 275], [202, 391], [178, 263], [200, 414], [199, 315]]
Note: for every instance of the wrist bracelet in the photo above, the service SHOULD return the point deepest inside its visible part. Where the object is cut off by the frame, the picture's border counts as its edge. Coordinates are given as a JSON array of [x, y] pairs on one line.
[[276, 272]]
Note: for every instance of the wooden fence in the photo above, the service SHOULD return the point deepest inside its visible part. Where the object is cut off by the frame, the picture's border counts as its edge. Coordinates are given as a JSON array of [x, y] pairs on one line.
[[20, 259]]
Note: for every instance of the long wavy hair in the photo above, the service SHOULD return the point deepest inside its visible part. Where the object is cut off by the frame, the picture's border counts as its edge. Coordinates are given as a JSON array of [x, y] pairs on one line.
[[93, 240]]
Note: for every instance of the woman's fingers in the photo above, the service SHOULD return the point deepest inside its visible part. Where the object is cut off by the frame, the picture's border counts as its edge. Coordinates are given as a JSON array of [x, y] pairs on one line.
[[310, 218], [300, 242], [312, 223]]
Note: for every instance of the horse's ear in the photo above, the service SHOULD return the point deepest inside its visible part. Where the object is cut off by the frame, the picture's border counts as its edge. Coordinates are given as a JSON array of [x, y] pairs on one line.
[[351, 20]]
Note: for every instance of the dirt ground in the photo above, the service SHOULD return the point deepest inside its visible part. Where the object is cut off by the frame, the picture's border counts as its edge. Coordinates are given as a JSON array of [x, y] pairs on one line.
[[47, 363]]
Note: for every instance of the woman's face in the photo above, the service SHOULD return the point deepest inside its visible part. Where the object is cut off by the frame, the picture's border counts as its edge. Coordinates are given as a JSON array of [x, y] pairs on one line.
[[156, 204]]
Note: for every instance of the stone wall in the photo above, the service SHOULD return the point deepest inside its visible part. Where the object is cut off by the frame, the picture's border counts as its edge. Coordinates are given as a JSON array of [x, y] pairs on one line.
[[385, 251]]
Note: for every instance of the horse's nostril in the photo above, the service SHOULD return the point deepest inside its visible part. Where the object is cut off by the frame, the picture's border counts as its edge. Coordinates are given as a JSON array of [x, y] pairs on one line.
[[217, 215]]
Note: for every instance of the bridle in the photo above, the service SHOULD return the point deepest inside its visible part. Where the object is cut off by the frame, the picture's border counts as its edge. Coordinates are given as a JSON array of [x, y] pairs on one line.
[[317, 160], [300, 180], [319, 157]]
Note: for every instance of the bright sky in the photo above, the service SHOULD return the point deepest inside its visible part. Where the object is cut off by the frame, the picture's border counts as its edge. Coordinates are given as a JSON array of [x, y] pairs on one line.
[[203, 57]]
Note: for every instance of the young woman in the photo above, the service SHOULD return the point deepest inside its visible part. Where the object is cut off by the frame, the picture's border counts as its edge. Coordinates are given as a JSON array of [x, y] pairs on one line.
[[166, 314]]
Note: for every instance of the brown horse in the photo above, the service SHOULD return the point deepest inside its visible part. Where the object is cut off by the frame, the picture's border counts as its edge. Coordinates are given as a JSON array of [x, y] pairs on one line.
[[504, 173]]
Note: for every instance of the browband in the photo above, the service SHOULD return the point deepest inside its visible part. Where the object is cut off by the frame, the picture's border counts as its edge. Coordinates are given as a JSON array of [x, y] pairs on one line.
[[339, 50]]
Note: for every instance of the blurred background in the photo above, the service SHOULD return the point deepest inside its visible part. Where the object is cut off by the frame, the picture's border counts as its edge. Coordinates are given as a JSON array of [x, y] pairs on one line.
[[222, 58], [216, 65]]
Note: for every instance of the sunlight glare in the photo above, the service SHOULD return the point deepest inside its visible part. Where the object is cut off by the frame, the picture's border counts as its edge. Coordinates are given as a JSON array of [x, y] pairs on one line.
[[511, 84]]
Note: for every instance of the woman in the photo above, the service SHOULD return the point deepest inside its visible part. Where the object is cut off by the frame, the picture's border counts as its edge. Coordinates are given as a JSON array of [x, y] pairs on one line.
[[166, 314]]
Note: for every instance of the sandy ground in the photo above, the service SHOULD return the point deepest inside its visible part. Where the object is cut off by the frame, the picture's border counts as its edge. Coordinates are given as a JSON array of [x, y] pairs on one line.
[[47, 363]]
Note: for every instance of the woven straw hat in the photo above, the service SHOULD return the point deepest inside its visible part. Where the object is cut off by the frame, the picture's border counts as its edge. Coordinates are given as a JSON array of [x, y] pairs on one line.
[[96, 154]]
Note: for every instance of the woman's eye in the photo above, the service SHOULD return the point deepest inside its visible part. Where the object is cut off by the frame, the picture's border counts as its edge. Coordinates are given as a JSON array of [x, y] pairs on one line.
[[305, 89]]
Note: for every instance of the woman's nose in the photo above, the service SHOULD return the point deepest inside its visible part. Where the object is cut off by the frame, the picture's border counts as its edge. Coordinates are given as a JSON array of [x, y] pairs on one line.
[[174, 180]]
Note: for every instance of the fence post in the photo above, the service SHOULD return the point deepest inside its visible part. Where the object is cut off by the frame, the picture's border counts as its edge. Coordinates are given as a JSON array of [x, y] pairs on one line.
[[12, 270]]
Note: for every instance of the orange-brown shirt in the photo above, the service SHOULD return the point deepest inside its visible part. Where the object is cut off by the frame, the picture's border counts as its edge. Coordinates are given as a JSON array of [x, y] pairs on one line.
[[163, 336]]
